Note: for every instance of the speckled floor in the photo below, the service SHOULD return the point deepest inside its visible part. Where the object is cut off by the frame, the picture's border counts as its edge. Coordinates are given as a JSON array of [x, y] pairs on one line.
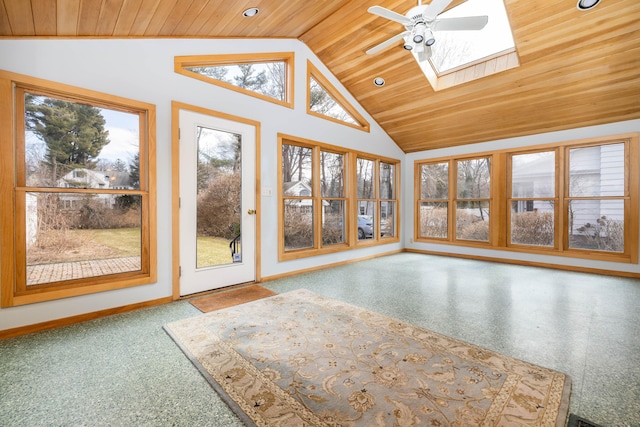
[[125, 371]]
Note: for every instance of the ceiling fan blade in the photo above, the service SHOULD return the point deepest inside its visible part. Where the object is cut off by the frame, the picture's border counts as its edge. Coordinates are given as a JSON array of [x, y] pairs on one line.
[[460, 24], [435, 8], [389, 14], [385, 44]]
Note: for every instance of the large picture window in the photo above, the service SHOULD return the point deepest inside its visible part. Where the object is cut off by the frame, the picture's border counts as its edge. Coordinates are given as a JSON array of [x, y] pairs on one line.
[[82, 214], [575, 199], [332, 199]]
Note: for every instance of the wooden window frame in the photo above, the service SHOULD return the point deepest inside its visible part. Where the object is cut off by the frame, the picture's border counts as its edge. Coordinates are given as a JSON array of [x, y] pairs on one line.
[[500, 228], [350, 199], [420, 200], [454, 199], [557, 217], [181, 63], [314, 72], [13, 187], [376, 199]]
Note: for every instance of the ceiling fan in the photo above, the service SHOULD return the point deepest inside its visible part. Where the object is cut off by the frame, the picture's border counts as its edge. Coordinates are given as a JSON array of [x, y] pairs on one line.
[[420, 22]]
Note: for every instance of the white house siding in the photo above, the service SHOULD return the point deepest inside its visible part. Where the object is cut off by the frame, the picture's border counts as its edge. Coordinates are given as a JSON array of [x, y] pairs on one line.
[[612, 180]]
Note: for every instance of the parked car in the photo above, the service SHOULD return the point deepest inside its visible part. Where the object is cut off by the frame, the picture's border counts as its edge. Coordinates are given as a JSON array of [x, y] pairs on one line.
[[365, 227]]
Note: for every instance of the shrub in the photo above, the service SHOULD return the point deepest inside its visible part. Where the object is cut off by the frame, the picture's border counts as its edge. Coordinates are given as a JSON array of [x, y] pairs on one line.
[[471, 227], [532, 228], [606, 234], [433, 222], [298, 230], [218, 208]]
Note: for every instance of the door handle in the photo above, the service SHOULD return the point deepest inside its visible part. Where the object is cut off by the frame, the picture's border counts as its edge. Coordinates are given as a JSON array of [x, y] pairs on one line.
[[251, 211]]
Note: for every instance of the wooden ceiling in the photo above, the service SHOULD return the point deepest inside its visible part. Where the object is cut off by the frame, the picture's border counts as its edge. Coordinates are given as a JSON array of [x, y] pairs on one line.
[[576, 68]]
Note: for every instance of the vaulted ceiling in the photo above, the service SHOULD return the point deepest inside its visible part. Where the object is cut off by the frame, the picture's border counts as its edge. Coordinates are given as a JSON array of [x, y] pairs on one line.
[[577, 68]]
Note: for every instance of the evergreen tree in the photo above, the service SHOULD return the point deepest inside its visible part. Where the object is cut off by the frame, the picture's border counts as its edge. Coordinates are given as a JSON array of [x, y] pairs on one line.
[[248, 79], [73, 133], [134, 171]]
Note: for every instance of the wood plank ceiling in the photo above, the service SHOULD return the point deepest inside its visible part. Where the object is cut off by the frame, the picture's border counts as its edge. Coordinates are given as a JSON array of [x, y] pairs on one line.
[[576, 68]]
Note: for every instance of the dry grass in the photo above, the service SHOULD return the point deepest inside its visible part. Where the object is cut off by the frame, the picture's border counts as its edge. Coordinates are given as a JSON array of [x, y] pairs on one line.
[[54, 246]]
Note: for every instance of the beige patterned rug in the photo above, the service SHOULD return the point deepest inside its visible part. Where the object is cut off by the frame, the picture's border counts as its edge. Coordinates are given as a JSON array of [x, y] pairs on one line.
[[300, 359]]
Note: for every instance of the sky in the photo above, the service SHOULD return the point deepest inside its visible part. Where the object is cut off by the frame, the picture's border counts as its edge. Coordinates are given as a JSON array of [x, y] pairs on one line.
[[123, 136], [495, 37]]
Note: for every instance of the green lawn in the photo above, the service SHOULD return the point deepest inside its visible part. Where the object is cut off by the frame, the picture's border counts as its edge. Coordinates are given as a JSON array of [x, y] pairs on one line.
[[212, 251], [126, 241], [77, 245]]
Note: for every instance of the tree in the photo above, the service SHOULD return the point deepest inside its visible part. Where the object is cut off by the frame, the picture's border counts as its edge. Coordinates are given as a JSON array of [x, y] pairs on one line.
[[247, 79], [322, 102], [134, 171], [276, 80], [295, 160], [73, 133], [216, 73]]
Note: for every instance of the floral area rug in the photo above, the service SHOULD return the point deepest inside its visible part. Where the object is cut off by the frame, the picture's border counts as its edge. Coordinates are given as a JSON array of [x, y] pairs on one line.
[[300, 359]]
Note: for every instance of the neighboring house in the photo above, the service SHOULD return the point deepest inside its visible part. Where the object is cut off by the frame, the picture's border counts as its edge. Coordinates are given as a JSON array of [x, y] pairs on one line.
[[87, 178], [596, 172], [301, 189]]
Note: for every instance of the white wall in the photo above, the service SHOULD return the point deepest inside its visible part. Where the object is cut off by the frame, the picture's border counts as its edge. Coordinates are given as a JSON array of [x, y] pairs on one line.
[[142, 69], [525, 141]]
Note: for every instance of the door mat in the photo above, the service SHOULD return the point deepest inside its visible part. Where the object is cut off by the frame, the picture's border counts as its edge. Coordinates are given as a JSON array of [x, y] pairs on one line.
[[230, 298], [576, 421]]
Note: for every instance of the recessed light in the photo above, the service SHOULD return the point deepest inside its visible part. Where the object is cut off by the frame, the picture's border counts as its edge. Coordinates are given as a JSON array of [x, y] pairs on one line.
[[378, 81], [252, 11], [587, 4]]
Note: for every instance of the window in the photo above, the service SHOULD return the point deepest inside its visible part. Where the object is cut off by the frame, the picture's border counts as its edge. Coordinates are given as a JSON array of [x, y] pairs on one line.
[[473, 197], [317, 209], [325, 101], [597, 195], [387, 200], [533, 199], [574, 199], [83, 214], [376, 198], [268, 76], [433, 201], [366, 202]]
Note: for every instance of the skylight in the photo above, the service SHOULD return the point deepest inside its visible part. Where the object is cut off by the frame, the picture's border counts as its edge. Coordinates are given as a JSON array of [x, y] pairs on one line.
[[454, 49]]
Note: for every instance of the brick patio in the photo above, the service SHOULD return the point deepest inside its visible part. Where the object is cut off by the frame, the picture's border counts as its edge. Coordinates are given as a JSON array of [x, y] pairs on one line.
[[46, 273]]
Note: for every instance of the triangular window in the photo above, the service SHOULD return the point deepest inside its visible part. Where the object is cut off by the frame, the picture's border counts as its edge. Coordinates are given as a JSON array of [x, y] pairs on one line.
[[266, 76], [325, 101]]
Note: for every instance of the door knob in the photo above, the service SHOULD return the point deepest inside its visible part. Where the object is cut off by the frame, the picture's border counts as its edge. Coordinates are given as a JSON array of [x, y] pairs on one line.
[[251, 211]]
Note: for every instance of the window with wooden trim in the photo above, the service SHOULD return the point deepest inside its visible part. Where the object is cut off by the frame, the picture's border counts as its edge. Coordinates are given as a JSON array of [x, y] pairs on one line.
[[268, 76], [433, 201], [325, 101], [82, 215], [577, 199], [532, 201], [376, 201], [331, 198], [472, 199]]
